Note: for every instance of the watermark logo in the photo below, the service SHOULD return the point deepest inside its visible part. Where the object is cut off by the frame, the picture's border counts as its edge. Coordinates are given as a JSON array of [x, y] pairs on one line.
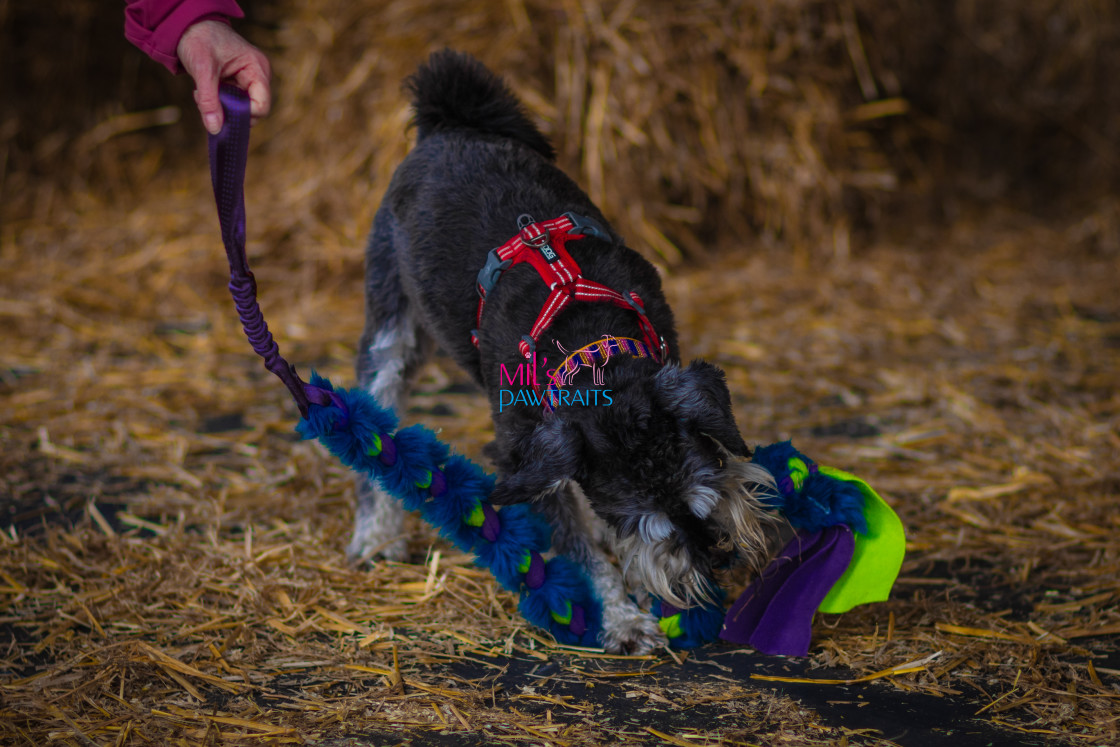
[[522, 387], [554, 398]]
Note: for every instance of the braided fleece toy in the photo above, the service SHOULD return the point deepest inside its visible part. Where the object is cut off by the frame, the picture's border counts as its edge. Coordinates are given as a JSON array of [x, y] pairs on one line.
[[450, 492], [848, 550], [774, 615]]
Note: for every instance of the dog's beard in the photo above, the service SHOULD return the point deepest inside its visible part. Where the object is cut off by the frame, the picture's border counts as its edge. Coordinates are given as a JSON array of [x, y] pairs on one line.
[[654, 559], [746, 521], [664, 569]]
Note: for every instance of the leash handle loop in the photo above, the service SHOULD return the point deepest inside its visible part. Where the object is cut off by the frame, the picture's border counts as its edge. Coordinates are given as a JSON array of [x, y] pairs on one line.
[[229, 153]]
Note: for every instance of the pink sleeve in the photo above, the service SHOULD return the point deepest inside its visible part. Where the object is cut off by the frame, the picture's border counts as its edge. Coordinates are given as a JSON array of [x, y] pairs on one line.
[[155, 26]]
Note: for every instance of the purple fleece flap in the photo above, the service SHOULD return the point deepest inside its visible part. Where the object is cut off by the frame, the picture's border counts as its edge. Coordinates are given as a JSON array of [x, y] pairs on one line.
[[775, 613], [748, 609]]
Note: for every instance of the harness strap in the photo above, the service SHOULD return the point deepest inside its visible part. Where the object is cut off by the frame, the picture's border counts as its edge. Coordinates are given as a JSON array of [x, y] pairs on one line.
[[542, 245], [587, 291], [229, 153]]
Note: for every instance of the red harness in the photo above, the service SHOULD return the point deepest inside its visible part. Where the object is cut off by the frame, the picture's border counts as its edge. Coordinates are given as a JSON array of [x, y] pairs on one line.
[[542, 246]]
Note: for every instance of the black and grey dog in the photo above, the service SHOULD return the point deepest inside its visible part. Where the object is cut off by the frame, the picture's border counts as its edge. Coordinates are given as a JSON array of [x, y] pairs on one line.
[[640, 457]]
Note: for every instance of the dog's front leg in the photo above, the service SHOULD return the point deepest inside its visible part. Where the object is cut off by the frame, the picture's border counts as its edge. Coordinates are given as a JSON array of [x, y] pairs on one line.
[[626, 628], [393, 348], [389, 351]]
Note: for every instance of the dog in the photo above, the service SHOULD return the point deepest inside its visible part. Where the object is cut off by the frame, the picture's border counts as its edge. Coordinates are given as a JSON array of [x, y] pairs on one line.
[[630, 452]]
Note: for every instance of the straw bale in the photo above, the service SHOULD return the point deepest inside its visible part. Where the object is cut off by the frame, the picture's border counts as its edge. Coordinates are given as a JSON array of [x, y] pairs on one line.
[[1008, 97], [692, 124], [687, 123]]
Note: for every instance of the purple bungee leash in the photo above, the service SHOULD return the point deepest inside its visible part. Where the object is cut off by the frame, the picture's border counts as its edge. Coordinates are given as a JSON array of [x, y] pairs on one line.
[[229, 153]]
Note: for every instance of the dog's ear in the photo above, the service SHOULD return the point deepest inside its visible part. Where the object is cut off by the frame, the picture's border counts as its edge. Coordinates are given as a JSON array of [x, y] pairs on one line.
[[550, 456], [698, 396]]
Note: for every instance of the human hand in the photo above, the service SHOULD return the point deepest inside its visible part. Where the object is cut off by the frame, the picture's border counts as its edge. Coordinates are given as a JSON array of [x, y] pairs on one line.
[[212, 52]]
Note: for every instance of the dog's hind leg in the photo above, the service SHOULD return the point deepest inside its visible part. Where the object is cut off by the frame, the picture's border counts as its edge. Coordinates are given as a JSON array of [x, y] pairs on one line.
[[393, 348], [576, 535]]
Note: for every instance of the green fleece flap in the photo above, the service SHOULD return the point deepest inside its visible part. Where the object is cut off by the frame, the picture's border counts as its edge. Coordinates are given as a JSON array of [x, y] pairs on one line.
[[878, 553]]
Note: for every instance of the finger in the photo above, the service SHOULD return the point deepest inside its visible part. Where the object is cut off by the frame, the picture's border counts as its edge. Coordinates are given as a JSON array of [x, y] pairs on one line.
[[209, 105], [260, 98], [254, 77]]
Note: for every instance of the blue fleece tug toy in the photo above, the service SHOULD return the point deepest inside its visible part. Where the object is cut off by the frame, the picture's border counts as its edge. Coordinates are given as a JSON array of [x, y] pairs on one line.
[[450, 493], [848, 549]]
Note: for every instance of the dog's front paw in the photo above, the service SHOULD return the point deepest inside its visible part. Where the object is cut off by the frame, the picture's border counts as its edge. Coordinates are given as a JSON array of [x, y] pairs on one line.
[[372, 541], [631, 632]]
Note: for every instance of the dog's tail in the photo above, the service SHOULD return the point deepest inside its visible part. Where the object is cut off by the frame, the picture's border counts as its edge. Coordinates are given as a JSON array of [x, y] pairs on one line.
[[453, 90]]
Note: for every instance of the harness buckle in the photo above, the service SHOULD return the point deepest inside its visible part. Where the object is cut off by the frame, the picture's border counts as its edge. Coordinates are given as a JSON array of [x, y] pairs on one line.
[[585, 226], [491, 271]]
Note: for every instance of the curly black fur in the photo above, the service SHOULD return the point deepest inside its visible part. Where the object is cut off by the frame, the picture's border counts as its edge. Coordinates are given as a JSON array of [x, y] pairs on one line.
[[455, 91], [654, 464]]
